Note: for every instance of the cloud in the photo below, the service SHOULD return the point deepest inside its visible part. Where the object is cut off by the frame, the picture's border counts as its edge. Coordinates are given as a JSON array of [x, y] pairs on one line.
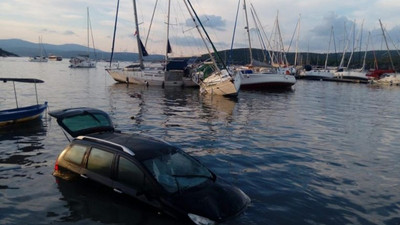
[[339, 23], [317, 38], [45, 30], [197, 42], [68, 32], [210, 21]]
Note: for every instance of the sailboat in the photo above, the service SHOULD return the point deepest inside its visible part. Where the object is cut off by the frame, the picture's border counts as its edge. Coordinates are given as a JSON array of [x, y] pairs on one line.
[[390, 78], [254, 76], [352, 75], [83, 60], [42, 57], [319, 74], [168, 73], [220, 81]]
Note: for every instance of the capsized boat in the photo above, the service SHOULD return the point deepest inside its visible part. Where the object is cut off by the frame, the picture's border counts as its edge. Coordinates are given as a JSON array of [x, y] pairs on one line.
[[82, 61], [22, 114], [220, 81]]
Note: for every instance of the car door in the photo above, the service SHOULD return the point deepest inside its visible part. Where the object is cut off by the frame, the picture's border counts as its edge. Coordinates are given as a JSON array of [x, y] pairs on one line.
[[132, 180], [70, 164], [99, 165]]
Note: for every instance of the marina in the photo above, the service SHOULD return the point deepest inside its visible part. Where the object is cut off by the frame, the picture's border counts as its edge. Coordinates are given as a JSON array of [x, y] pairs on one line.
[[319, 153]]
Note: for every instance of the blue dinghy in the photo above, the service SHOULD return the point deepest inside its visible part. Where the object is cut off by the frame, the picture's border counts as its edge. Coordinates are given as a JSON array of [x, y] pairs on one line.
[[22, 114]]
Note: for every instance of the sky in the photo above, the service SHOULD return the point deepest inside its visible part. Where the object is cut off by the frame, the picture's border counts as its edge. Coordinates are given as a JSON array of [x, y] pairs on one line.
[[65, 22]]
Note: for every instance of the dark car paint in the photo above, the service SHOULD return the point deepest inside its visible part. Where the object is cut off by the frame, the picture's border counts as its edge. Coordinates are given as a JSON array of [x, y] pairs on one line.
[[213, 199], [70, 171]]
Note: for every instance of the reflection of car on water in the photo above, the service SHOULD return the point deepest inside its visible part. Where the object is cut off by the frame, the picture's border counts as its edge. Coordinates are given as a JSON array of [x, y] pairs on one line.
[[145, 168], [96, 203]]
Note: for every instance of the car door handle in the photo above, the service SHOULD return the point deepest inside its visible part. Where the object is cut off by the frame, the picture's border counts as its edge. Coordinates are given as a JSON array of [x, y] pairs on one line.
[[117, 190], [84, 176]]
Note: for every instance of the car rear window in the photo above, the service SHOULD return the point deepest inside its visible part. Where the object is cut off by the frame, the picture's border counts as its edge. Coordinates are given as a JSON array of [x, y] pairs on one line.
[[100, 161], [86, 121], [75, 154]]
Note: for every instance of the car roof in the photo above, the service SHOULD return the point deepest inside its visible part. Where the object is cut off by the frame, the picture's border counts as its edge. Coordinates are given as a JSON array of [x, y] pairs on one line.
[[142, 146]]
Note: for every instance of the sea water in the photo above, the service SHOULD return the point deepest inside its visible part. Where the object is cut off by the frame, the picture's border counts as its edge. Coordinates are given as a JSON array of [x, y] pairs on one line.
[[322, 153]]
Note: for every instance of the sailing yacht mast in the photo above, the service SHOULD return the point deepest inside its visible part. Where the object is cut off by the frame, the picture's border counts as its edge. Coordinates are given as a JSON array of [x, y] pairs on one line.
[[139, 44], [201, 35], [387, 46], [282, 54], [345, 46], [248, 31], [365, 53], [297, 41], [167, 50], [329, 47], [262, 33], [87, 25], [115, 31]]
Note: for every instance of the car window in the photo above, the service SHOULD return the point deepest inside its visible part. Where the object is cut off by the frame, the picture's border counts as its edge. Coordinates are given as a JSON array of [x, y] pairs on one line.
[[86, 121], [75, 154], [177, 171], [100, 161], [129, 174]]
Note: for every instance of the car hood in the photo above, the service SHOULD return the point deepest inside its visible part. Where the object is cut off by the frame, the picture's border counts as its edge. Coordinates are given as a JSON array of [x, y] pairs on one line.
[[217, 201]]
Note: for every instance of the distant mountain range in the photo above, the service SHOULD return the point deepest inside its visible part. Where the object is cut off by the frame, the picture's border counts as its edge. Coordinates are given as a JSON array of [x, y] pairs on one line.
[[236, 56], [27, 49]]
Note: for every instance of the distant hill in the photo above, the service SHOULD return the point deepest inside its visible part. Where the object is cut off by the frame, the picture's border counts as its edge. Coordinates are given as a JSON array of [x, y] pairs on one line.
[[6, 54], [27, 49], [239, 56]]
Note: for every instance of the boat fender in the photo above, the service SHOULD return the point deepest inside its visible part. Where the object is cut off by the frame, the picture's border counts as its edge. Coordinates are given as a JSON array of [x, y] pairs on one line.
[[287, 72], [147, 83]]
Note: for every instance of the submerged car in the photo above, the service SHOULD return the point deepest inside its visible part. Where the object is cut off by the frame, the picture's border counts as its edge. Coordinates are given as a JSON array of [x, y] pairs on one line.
[[145, 168]]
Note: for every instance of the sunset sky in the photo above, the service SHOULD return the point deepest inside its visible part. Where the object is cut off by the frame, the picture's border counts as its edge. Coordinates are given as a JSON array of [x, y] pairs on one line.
[[61, 22]]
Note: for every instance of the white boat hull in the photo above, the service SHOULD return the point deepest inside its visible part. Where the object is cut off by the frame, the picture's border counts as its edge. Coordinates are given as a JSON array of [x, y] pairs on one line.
[[150, 77], [82, 62], [389, 79], [317, 75], [266, 80], [351, 75], [218, 84], [38, 59]]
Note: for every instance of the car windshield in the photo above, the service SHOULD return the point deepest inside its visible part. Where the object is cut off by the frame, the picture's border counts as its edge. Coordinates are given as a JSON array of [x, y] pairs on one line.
[[177, 171]]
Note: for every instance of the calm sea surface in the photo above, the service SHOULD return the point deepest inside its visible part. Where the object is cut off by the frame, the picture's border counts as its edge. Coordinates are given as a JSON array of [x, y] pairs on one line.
[[324, 153]]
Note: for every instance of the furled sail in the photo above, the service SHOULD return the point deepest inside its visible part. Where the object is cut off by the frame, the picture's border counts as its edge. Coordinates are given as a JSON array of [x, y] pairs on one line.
[[169, 49], [144, 51]]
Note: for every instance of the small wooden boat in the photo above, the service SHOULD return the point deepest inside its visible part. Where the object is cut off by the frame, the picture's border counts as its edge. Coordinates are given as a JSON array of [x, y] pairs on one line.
[[22, 114]]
